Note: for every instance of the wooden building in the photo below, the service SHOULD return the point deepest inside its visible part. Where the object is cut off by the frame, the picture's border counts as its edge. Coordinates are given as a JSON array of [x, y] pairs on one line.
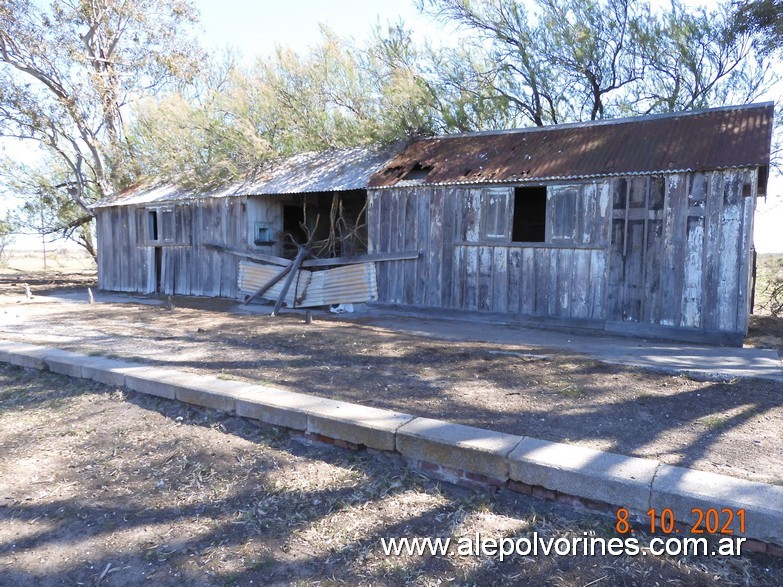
[[170, 240], [641, 226]]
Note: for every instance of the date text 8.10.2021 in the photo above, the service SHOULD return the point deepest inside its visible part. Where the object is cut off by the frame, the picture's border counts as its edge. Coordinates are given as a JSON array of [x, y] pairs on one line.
[[705, 521]]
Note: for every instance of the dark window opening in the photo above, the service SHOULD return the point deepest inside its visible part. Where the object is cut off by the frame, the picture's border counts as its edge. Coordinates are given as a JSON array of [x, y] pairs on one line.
[[335, 223], [152, 223], [419, 173], [529, 215], [293, 232]]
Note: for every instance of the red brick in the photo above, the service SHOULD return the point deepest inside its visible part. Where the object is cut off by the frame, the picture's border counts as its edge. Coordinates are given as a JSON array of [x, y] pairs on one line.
[[477, 477], [571, 500], [427, 466], [544, 493], [453, 471], [520, 487]]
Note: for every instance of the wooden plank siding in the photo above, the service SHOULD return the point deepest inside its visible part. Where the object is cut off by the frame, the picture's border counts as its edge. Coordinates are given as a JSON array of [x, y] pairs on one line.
[[690, 246], [127, 259], [651, 254], [459, 270]]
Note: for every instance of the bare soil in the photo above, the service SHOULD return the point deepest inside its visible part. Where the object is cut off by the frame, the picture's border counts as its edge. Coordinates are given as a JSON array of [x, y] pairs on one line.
[[729, 427], [101, 486]]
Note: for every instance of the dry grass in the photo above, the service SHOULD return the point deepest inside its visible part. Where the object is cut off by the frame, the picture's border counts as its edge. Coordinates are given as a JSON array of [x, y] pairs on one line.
[[104, 487]]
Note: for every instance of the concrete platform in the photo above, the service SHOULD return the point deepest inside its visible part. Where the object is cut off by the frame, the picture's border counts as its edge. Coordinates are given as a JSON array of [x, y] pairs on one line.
[[709, 362], [633, 483]]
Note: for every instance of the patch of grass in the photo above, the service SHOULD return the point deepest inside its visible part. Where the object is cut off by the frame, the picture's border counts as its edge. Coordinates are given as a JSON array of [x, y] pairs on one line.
[[713, 422], [569, 390]]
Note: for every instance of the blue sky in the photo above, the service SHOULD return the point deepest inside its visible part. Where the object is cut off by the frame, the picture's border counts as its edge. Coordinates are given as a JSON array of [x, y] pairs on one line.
[[256, 27]]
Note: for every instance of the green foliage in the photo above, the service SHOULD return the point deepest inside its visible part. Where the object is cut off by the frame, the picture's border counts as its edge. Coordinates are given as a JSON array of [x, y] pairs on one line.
[[6, 234], [49, 209], [237, 117], [69, 73], [763, 19], [67, 70], [574, 60]]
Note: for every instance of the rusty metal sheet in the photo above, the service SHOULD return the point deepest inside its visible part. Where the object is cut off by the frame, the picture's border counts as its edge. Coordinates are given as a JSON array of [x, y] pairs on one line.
[[340, 285], [732, 137]]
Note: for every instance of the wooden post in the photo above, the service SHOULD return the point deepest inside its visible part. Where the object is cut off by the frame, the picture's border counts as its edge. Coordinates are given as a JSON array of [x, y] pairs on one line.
[[294, 268]]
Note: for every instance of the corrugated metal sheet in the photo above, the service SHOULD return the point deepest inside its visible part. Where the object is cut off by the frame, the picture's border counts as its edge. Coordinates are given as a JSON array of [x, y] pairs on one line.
[[350, 284], [328, 171], [720, 138]]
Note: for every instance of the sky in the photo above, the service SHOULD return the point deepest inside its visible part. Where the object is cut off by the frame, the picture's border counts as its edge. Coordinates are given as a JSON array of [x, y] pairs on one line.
[[296, 23], [255, 28]]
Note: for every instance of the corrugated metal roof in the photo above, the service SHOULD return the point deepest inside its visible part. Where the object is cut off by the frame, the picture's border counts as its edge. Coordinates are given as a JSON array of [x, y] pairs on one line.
[[719, 138], [327, 171]]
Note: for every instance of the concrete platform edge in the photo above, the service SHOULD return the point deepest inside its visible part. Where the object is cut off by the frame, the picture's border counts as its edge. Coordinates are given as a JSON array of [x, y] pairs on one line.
[[622, 481]]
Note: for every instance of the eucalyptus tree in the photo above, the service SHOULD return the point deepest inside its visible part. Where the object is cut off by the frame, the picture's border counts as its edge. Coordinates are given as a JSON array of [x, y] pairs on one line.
[[67, 73]]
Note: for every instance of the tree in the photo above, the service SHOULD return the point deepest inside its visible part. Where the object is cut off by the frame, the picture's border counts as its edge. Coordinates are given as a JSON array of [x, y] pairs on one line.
[[693, 60], [575, 60], [763, 19], [50, 210], [235, 118], [507, 71], [67, 74], [6, 233]]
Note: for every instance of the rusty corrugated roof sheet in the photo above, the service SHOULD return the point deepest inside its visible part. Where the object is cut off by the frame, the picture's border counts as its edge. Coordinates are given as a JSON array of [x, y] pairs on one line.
[[327, 171], [719, 138]]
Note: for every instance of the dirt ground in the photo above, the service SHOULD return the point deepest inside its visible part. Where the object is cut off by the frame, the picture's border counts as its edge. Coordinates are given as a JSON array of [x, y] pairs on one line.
[[100, 486], [730, 427]]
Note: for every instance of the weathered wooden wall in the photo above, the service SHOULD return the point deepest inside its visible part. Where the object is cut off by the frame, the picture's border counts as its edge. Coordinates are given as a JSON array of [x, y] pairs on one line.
[[647, 255], [459, 270], [680, 251], [127, 260], [122, 264]]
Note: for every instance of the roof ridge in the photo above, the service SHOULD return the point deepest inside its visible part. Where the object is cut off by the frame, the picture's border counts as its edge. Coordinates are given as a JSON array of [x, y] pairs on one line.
[[602, 122]]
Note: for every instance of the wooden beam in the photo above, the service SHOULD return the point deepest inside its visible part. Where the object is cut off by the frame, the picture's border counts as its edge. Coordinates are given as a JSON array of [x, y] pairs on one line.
[[271, 259], [281, 262], [357, 259], [293, 268]]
